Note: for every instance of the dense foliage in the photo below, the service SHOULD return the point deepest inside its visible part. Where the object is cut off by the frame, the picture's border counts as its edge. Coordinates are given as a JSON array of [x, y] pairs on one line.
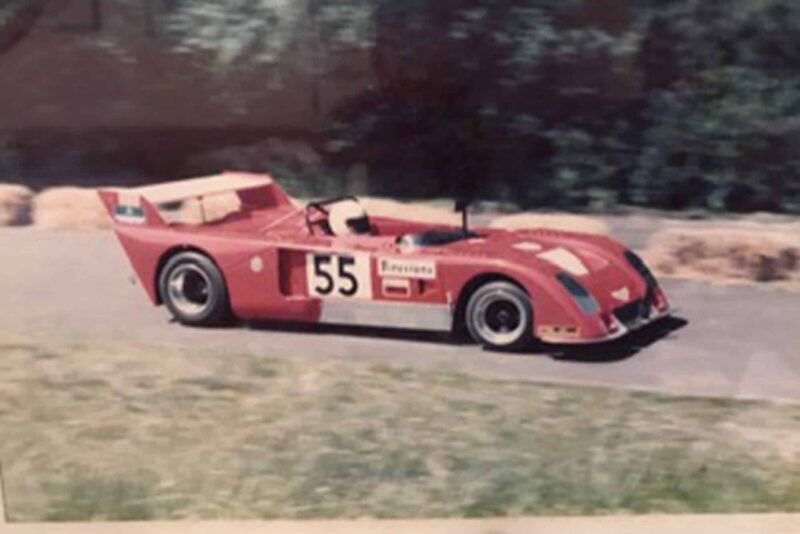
[[667, 104], [688, 103], [570, 103]]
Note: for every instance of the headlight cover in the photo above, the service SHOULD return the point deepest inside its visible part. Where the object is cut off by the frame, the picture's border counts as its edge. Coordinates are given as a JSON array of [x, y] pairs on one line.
[[579, 294]]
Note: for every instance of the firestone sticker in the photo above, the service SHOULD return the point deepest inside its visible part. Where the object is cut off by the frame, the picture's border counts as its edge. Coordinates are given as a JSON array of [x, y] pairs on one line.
[[425, 270]]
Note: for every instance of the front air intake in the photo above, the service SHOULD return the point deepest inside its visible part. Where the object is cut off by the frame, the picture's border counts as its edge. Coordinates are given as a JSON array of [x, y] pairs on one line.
[[579, 294]]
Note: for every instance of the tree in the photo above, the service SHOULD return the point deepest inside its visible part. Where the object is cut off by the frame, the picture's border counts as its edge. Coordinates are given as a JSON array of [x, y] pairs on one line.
[[680, 104], [17, 18], [719, 131]]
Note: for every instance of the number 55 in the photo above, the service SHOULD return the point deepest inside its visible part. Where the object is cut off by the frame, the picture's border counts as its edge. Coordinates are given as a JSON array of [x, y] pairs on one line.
[[334, 275]]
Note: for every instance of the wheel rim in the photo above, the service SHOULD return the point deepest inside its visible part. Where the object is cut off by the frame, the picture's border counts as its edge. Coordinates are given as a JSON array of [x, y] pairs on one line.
[[499, 319], [189, 289]]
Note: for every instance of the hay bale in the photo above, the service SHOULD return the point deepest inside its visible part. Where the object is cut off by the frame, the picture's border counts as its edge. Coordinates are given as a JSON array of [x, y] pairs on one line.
[[551, 221], [208, 210], [71, 208], [15, 205], [379, 207], [726, 254]]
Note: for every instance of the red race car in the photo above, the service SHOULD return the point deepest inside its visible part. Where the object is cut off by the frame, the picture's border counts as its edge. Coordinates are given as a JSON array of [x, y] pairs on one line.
[[330, 262]]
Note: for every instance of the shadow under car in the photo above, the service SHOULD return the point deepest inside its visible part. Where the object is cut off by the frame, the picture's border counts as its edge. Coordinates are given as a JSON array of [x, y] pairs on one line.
[[618, 349], [611, 351]]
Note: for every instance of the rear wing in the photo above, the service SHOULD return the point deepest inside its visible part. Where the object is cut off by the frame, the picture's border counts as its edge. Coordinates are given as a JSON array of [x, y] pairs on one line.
[[140, 205]]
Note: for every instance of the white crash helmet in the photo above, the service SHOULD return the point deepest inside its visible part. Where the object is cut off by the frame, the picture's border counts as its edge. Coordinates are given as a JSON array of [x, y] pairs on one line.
[[348, 218]]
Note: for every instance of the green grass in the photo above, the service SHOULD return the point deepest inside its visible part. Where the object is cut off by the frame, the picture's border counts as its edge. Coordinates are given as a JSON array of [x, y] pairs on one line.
[[86, 497], [120, 432]]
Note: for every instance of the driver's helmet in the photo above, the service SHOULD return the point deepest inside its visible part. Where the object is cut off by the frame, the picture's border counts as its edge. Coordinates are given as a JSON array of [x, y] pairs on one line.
[[348, 218]]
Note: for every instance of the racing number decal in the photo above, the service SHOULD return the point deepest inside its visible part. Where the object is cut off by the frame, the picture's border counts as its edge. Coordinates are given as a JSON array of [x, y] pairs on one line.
[[334, 275], [321, 274]]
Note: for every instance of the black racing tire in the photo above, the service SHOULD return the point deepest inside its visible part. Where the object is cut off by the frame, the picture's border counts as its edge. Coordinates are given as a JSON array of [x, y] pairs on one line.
[[499, 316], [194, 291]]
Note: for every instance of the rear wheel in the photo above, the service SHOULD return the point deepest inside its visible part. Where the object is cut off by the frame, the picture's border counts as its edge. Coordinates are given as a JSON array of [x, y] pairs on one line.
[[499, 316], [194, 291]]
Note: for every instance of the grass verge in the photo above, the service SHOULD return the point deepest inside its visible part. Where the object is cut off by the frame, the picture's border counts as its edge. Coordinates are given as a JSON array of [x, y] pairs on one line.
[[121, 432]]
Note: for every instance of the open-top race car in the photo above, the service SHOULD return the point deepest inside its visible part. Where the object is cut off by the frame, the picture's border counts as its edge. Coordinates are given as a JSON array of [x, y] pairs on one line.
[[330, 262]]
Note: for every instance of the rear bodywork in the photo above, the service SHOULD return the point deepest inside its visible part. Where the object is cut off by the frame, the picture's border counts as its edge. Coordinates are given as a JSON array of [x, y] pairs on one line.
[[275, 268]]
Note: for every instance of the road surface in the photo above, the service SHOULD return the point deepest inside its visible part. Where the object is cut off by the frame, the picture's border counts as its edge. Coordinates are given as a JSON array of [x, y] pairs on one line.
[[728, 341]]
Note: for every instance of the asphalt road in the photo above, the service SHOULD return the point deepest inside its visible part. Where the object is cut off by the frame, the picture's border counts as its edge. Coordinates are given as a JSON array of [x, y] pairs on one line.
[[728, 341]]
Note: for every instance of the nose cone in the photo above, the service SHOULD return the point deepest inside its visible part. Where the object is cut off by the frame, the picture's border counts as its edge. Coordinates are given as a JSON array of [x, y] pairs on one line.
[[598, 263], [626, 293]]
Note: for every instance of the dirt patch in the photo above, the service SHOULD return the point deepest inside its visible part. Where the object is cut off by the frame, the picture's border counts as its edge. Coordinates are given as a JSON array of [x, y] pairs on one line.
[[71, 208], [80, 209], [553, 221], [750, 253], [419, 211], [15, 205], [203, 211], [218, 206], [381, 207]]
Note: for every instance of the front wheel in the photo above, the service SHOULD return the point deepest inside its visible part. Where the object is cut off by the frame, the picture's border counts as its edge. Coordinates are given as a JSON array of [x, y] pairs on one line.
[[499, 316], [194, 291]]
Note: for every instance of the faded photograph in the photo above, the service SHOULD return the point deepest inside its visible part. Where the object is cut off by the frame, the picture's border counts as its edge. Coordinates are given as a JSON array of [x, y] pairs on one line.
[[410, 259]]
